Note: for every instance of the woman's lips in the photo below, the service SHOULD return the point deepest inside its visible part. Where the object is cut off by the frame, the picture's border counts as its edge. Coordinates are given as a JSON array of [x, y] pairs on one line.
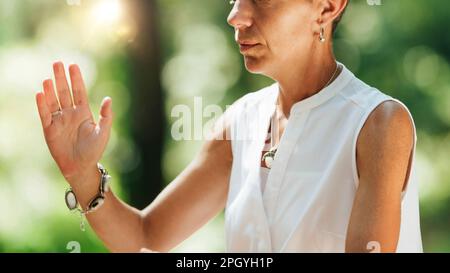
[[244, 47]]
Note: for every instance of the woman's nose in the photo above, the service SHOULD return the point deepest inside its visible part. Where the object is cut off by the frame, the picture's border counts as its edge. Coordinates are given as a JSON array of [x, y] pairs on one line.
[[241, 14]]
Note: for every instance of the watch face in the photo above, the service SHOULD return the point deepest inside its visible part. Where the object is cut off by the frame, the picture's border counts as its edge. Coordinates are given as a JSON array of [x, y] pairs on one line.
[[71, 200]]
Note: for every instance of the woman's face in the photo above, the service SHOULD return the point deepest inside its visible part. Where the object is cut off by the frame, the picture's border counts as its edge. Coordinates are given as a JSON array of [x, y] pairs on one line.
[[273, 34]]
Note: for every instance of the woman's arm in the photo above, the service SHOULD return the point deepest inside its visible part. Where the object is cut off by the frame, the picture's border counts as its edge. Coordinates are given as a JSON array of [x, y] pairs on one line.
[[77, 142], [185, 205], [383, 153], [191, 200]]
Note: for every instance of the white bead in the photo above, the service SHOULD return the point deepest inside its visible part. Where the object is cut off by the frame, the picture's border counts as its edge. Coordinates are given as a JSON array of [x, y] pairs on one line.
[[105, 183], [71, 200], [268, 160]]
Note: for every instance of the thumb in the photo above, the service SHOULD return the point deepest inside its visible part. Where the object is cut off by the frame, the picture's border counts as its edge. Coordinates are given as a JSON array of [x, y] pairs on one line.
[[106, 115]]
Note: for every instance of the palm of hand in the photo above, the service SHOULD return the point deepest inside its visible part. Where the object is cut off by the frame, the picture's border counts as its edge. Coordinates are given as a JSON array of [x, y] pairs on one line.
[[74, 139]]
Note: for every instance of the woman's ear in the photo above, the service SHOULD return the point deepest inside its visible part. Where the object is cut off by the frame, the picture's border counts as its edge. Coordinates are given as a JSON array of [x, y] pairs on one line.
[[330, 10]]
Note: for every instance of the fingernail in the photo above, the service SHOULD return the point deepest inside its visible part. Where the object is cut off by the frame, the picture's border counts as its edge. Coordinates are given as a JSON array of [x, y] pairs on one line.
[[58, 66], [73, 66]]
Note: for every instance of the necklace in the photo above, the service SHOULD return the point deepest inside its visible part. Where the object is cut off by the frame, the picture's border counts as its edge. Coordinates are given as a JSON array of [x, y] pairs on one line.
[[269, 156]]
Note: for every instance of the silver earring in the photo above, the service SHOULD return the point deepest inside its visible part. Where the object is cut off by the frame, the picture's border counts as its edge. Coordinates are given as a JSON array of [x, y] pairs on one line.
[[322, 35]]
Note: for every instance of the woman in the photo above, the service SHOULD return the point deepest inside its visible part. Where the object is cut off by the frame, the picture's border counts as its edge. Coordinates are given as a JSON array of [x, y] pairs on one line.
[[338, 179]]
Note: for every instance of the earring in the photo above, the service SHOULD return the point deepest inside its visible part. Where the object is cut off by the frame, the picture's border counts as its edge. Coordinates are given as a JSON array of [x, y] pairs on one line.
[[322, 35]]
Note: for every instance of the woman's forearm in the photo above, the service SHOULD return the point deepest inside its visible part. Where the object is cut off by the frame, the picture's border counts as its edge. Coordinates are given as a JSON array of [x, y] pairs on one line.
[[117, 224]]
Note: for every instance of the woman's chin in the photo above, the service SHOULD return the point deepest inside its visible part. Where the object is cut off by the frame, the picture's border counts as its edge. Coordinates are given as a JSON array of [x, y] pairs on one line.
[[254, 65]]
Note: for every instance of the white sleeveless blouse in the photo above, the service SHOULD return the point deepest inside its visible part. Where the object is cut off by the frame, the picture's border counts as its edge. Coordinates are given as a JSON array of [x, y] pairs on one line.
[[310, 189]]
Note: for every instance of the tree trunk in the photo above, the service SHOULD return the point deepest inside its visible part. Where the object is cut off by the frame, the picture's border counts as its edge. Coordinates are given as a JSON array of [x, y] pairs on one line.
[[147, 108]]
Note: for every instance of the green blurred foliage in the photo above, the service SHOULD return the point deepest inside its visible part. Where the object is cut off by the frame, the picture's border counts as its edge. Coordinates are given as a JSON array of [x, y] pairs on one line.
[[401, 47]]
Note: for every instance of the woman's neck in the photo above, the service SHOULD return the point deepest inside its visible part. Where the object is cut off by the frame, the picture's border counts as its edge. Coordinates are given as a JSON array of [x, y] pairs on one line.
[[304, 78]]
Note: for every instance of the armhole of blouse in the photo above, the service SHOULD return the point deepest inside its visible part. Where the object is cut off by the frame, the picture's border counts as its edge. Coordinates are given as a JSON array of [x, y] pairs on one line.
[[355, 139]]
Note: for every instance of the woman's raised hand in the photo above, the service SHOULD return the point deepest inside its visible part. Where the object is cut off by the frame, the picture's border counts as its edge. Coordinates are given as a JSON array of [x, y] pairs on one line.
[[76, 142]]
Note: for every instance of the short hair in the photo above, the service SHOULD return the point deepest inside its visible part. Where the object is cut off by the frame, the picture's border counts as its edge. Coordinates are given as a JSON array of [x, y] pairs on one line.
[[338, 19]]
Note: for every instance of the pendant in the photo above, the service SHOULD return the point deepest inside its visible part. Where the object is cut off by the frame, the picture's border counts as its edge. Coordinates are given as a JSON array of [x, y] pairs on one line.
[[269, 157], [268, 160]]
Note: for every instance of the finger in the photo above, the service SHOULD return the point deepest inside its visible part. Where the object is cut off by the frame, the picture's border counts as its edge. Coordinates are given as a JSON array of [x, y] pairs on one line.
[[78, 87], [44, 112], [106, 115], [50, 96], [62, 86]]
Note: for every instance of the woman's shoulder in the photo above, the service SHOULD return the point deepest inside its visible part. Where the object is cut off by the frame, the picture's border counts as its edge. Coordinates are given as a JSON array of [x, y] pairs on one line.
[[374, 102], [368, 97]]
